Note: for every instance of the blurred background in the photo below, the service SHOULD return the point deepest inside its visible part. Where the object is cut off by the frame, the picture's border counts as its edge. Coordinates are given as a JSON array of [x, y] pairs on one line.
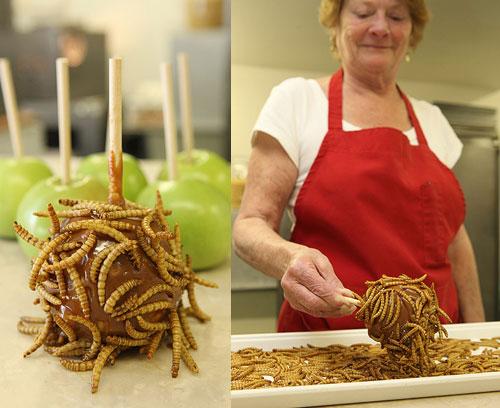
[[144, 33]]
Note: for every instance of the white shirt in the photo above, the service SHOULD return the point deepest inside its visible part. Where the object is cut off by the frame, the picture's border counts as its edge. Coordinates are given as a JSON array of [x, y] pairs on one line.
[[296, 115]]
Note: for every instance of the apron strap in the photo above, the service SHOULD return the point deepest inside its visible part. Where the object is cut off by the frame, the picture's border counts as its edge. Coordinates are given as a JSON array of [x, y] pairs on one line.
[[335, 107]]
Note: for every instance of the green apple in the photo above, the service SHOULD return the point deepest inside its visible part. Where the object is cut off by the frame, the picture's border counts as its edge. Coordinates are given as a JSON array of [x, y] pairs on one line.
[[50, 191], [203, 214], [17, 176], [96, 166], [205, 166]]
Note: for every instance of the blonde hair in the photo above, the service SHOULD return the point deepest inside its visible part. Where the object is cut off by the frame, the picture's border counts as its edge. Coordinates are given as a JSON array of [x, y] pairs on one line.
[[329, 16]]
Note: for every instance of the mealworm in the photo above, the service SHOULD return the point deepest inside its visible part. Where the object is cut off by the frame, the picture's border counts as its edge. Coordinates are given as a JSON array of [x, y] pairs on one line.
[[153, 345], [153, 290], [76, 256], [152, 326], [29, 238], [79, 289], [68, 348], [119, 292], [126, 213], [124, 341], [48, 296], [186, 357], [195, 308], [128, 304], [106, 265], [176, 342], [42, 257], [162, 267], [42, 336], [66, 328], [69, 246], [186, 328], [36, 320], [96, 335], [135, 334], [147, 308], [77, 365], [146, 227], [100, 361], [97, 226], [28, 329], [84, 212]]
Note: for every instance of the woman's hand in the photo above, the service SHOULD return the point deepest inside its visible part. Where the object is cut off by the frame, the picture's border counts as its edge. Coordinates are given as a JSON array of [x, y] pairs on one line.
[[310, 285]]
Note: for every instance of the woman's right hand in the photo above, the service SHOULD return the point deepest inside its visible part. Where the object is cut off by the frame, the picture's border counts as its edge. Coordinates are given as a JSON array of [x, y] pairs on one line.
[[311, 286]]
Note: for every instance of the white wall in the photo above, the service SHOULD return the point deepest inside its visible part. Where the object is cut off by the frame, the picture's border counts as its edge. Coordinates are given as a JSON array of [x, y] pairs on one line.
[[250, 87]]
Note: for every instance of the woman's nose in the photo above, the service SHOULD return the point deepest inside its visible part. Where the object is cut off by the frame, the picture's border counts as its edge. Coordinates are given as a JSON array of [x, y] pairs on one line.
[[380, 26]]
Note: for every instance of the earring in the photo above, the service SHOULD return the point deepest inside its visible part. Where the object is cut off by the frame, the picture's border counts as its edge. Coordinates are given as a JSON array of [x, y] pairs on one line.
[[407, 57]]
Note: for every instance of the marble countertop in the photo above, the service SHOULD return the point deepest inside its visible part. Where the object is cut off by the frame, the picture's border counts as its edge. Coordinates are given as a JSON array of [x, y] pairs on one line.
[[39, 380]]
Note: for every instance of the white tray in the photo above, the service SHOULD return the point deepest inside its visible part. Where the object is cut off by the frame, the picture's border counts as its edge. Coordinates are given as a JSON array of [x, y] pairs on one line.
[[328, 394]]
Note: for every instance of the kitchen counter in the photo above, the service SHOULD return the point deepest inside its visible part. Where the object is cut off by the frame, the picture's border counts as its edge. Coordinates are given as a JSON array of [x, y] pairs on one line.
[[40, 380]]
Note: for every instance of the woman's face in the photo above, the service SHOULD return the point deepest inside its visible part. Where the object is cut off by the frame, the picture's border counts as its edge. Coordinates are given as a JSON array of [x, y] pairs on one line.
[[373, 35]]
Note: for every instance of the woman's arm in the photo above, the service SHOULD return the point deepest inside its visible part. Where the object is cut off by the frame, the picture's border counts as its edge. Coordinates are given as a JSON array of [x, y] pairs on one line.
[[464, 269], [307, 277]]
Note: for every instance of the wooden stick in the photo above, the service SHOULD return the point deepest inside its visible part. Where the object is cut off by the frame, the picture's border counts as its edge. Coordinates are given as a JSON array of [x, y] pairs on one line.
[[115, 167], [10, 102], [186, 105], [169, 125], [63, 117]]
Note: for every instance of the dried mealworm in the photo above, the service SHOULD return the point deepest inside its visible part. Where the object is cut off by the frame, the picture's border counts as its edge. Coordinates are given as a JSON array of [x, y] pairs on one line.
[[152, 326], [99, 365], [162, 267], [176, 342], [66, 328], [197, 312], [97, 226], [28, 329], [44, 305], [125, 306], [186, 328], [96, 335], [55, 226], [49, 284], [84, 212], [147, 308], [101, 282], [153, 290], [79, 289], [126, 213], [205, 282], [121, 225], [29, 238], [69, 246], [45, 251], [74, 365], [68, 348], [42, 336], [178, 245], [119, 292], [35, 320], [98, 259], [146, 227], [145, 245], [153, 345], [186, 357], [124, 341], [131, 204], [76, 256], [48, 296], [135, 334]]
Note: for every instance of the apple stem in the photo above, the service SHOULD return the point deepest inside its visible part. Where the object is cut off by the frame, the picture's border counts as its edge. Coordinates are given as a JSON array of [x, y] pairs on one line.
[[186, 106], [169, 125], [64, 118], [11, 109], [115, 165]]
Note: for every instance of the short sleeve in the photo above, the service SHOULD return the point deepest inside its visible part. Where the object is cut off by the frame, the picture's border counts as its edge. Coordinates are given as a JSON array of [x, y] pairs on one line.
[[279, 117], [440, 136]]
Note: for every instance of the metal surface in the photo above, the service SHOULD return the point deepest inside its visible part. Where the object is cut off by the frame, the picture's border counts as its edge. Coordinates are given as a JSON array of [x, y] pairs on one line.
[[477, 172]]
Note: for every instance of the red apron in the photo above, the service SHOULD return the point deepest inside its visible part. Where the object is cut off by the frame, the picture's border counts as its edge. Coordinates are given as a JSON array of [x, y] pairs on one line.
[[374, 204]]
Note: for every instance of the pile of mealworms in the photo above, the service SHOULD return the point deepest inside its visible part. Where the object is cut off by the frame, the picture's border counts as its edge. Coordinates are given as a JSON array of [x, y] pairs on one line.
[[96, 240], [404, 316], [254, 368]]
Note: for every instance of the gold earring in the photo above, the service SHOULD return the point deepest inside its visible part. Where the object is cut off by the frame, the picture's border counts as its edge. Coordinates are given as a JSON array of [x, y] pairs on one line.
[[407, 57]]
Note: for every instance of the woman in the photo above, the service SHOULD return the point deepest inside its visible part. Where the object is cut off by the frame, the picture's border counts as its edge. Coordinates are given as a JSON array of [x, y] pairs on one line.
[[367, 174]]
